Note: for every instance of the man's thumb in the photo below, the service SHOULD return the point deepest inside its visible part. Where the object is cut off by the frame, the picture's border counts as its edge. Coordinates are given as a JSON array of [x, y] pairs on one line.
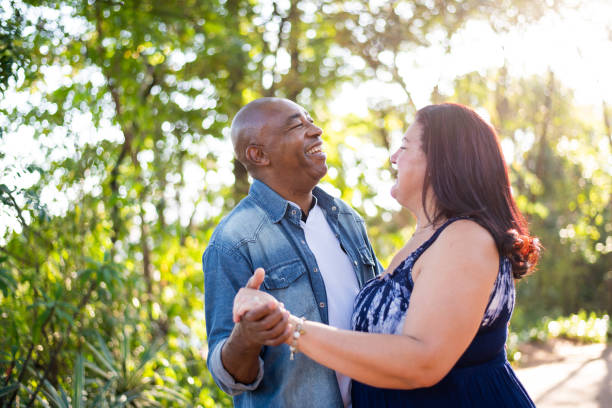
[[257, 278]]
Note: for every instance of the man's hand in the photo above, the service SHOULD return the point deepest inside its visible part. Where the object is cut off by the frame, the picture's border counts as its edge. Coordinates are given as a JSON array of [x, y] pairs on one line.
[[259, 320]]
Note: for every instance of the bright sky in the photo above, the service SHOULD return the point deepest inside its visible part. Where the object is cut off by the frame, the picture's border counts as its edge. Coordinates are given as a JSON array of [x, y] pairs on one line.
[[576, 44]]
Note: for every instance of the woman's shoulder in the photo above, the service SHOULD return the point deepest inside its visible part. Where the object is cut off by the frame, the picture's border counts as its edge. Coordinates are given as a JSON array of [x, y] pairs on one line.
[[466, 238]]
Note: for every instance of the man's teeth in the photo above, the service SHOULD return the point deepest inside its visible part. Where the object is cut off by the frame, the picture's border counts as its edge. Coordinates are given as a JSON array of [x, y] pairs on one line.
[[316, 149]]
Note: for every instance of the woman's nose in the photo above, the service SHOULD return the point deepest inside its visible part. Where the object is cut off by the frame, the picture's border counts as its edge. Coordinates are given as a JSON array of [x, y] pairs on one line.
[[393, 157]]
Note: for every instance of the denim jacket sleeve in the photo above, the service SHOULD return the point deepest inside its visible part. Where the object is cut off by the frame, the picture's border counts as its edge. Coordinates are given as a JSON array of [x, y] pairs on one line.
[[225, 272]]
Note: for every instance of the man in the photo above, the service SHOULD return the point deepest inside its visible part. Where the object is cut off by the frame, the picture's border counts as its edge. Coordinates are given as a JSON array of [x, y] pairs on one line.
[[315, 252]]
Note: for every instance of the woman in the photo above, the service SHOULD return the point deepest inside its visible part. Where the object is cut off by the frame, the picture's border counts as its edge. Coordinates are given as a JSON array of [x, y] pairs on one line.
[[431, 331]]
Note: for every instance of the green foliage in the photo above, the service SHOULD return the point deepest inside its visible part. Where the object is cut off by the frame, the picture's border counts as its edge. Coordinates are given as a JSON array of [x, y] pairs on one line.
[[12, 54]]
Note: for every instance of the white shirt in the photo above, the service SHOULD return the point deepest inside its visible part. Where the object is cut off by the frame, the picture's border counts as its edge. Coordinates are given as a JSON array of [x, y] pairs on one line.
[[339, 277]]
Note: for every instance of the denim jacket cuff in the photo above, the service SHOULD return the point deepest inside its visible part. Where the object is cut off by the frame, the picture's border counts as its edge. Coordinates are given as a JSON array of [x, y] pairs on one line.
[[225, 381]]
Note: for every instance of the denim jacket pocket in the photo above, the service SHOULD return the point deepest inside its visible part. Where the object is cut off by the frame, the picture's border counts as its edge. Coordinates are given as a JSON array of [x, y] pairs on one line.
[[281, 276]]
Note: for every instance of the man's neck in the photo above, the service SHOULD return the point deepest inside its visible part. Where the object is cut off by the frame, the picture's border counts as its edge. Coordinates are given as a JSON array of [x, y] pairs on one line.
[[303, 198]]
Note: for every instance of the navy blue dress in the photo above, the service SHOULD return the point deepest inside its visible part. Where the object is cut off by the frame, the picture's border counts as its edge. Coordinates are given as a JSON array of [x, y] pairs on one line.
[[482, 377]]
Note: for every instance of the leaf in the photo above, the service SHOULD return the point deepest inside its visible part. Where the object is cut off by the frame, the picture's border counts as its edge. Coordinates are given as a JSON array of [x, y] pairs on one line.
[[103, 357], [54, 397], [8, 389], [7, 282], [97, 370], [102, 393], [77, 378], [148, 355], [65, 316]]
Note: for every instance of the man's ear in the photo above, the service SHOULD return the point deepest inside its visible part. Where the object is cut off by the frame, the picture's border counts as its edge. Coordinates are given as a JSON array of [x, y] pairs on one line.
[[256, 155]]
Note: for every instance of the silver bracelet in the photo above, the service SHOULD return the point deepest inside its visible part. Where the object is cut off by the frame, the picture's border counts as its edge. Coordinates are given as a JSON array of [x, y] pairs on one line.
[[299, 330]]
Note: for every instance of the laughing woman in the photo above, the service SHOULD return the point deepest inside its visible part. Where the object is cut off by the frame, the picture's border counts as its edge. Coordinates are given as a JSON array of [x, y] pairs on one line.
[[431, 331]]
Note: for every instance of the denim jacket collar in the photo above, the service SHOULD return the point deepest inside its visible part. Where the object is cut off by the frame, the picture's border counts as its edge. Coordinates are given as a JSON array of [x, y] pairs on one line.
[[276, 206]]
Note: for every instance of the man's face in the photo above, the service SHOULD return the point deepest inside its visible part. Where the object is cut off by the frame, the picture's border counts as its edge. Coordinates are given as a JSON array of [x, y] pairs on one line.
[[294, 146]]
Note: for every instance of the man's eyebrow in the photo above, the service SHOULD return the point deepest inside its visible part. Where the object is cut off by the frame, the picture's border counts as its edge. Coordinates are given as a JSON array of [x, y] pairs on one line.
[[294, 116]]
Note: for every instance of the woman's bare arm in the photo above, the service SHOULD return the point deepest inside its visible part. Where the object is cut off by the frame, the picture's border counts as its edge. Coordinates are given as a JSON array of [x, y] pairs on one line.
[[446, 308]]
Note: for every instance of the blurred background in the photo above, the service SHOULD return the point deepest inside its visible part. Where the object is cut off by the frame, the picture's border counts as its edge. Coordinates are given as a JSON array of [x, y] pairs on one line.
[[116, 164]]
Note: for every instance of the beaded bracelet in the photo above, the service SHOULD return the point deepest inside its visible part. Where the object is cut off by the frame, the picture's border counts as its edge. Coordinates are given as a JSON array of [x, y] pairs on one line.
[[299, 330]]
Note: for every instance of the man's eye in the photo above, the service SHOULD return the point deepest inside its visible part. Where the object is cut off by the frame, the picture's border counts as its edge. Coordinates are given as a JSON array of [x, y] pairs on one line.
[[297, 126]]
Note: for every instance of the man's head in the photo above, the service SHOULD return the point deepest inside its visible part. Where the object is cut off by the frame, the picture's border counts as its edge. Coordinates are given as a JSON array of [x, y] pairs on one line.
[[278, 143]]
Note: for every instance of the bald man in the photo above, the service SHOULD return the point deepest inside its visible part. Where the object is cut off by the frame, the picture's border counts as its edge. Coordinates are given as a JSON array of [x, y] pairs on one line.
[[313, 247]]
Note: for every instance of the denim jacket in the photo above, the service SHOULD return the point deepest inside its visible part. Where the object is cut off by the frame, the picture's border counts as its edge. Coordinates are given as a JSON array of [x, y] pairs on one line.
[[264, 230]]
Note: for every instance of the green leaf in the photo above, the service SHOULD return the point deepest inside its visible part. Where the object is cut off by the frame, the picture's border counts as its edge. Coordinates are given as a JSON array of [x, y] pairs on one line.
[[65, 316], [54, 396], [7, 282], [102, 393], [104, 356], [78, 378], [8, 389]]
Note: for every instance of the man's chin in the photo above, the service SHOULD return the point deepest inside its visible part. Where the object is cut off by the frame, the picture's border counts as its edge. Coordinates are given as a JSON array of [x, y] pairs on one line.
[[322, 171]]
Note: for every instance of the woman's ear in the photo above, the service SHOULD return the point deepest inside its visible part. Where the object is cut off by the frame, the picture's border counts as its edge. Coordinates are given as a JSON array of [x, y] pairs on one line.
[[256, 155]]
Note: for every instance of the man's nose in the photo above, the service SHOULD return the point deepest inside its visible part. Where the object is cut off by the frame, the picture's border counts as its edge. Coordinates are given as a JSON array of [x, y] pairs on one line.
[[314, 131]]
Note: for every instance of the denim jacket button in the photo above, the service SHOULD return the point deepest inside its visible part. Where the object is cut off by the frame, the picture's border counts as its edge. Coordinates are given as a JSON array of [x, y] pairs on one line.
[[334, 208], [322, 304], [316, 269], [355, 262]]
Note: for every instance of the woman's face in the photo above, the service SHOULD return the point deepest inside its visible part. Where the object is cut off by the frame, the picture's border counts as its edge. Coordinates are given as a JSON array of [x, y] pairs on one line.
[[411, 165]]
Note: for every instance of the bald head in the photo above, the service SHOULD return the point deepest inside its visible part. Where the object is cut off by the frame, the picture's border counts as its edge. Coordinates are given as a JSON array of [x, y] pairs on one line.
[[248, 126]]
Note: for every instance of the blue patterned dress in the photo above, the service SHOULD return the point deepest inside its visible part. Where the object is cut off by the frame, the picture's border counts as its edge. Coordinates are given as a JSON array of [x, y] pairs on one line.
[[482, 377]]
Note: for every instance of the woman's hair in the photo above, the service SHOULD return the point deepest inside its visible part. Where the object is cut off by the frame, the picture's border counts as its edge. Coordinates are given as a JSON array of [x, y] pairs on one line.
[[469, 177]]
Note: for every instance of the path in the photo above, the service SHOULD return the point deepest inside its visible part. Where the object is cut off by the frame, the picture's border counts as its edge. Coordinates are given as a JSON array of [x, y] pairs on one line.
[[568, 375]]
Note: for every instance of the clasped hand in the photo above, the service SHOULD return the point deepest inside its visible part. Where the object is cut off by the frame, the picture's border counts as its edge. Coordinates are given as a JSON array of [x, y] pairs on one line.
[[263, 319]]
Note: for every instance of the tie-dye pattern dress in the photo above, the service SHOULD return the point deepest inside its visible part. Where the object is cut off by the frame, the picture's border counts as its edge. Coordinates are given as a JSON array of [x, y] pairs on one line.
[[482, 377]]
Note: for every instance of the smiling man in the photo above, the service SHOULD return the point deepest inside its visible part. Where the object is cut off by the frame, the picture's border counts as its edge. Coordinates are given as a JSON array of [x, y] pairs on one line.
[[313, 247]]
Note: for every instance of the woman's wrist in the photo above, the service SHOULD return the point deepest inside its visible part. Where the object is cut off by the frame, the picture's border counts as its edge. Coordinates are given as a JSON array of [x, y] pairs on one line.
[[297, 329]]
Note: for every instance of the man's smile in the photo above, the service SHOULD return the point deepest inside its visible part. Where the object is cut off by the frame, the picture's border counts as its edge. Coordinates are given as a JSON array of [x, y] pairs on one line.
[[317, 149]]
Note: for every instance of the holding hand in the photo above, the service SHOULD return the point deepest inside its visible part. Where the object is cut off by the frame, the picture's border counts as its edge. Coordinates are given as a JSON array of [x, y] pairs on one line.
[[261, 318], [250, 297]]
